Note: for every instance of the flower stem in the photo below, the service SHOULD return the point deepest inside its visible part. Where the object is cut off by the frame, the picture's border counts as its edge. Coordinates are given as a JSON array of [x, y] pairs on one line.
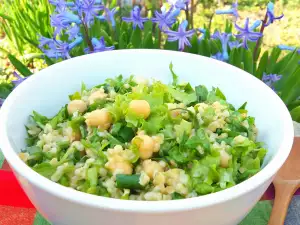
[[159, 39], [192, 13], [86, 36], [210, 21], [258, 43], [187, 14]]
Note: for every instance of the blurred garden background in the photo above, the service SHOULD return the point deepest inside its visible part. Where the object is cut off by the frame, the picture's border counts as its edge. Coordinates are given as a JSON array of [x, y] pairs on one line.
[[24, 22]]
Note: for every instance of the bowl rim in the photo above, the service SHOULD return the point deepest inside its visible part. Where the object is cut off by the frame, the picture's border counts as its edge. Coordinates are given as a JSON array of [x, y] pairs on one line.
[[81, 198]]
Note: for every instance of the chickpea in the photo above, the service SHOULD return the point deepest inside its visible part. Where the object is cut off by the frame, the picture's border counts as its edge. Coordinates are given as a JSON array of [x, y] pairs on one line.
[[115, 167], [99, 117], [97, 95], [76, 105], [151, 167], [158, 140], [225, 157], [140, 107], [145, 145]]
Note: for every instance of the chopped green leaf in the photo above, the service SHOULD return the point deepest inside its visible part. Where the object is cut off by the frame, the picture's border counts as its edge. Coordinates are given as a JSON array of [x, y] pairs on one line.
[[174, 76], [40, 120], [201, 92]]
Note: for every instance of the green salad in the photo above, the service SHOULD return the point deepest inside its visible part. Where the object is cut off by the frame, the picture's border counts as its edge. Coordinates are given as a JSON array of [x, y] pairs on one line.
[[132, 138]]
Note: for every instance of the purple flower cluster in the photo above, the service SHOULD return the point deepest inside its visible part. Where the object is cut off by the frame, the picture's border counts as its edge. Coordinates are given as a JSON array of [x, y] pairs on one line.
[[70, 18], [63, 21], [135, 18], [270, 14], [181, 35], [271, 79], [246, 33], [179, 4], [224, 38], [233, 11], [109, 15], [58, 49], [99, 46], [166, 19]]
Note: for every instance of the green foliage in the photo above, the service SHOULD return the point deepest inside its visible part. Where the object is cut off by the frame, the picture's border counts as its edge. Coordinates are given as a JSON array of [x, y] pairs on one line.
[[24, 20], [19, 66]]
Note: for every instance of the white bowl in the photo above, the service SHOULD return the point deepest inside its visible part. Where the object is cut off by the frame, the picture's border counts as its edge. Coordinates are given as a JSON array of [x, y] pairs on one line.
[[48, 90]]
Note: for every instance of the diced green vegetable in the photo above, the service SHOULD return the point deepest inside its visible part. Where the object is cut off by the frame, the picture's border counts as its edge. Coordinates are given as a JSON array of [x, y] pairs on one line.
[[128, 181]]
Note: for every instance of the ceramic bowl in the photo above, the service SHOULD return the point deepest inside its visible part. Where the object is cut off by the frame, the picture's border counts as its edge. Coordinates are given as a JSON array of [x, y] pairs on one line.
[[48, 90]]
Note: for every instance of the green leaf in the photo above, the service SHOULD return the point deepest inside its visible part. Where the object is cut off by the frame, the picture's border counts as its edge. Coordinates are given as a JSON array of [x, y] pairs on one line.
[[294, 104], [45, 169], [204, 48], [243, 107], [176, 195], [262, 65], [75, 96], [59, 118], [201, 92], [215, 48], [182, 129], [228, 26], [76, 122], [248, 61], [40, 120], [19, 66], [124, 28], [174, 76], [291, 65], [32, 42], [257, 54], [171, 45], [136, 38], [181, 155], [107, 38], [220, 94], [126, 133], [182, 97], [148, 41], [6, 17], [234, 58], [203, 189], [273, 59], [204, 139], [34, 149], [48, 60], [291, 87], [123, 41], [194, 43], [281, 63], [148, 28], [5, 89], [295, 113]]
